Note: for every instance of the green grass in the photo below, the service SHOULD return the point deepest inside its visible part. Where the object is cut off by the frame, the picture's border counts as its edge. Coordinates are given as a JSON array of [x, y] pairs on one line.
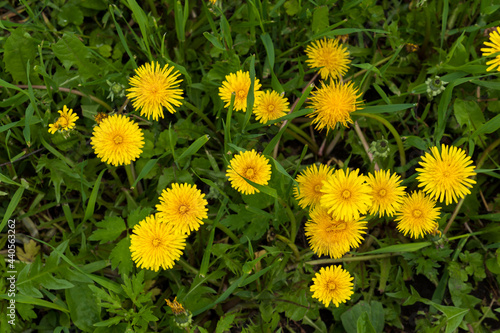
[[249, 267]]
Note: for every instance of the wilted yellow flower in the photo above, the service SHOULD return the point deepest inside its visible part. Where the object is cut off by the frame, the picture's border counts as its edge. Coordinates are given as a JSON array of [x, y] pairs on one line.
[[333, 103], [331, 58], [155, 87], [310, 181], [100, 116], [417, 215], [176, 307], [183, 206], [333, 236], [155, 245], [494, 47], [332, 284], [65, 122], [269, 106], [239, 84], [117, 140], [446, 175], [387, 192], [346, 195], [251, 166]]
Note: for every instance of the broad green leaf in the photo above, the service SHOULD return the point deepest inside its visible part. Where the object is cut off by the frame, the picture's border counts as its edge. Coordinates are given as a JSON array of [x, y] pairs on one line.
[[468, 113], [491, 126], [84, 309], [364, 325], [374, 313], [19, 49], [320, 19], [108, 230], [72, 52], [70, 14]]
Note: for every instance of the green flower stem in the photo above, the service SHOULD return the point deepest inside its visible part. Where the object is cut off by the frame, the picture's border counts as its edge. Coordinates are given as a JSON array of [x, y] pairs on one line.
[[200, 114], [486, 152], [299, 131], [293, 220], [291, 245], [71, 91], [187, 266], [391, 128], [131, 178], [452, 218], [365, 144], [350, 259]]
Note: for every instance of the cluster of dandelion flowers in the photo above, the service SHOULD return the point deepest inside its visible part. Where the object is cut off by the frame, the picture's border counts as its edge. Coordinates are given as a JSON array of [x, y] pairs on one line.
[[346, 194], [66, 121], [417, 215], [329, 56], [269, 106], [251, 166], [310, 181], [387, 192], [155, 87], [333, 103], [238, 84], [333, 236], [445, 175], [183, 206], [117, 140], [494, 47], [155, 245], [332, 284]]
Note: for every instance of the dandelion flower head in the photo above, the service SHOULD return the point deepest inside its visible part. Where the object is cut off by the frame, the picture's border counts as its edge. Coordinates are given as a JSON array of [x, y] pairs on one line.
[[333, 236], [183, 206], [417, 215], [117, 140], [332, 284], [387, 192], [239, 84], [154, 87], [155, 245], [65, 122], [252, 166], [445, 175], [494, 47], [269, 106], [346, 195], [333, 103], [175, 306], [329, 56], [310, 181]]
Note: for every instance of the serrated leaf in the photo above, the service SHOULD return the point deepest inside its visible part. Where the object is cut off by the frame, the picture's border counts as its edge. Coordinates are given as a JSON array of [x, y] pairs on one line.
[[31, 250], [19, 48], [120, 257], [225, 323], [468, 113], [137, 215], [108, 230], [72, 52]]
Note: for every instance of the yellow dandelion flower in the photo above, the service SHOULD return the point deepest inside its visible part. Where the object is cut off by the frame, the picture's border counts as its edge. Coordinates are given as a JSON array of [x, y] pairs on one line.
[[253, 167], [494, 47], [213, 1], [329, 56], [346, 195], [332, 284], [333, 236], [387, 192], [446, 175], [183, 206], [117, 140], [155, 87], [176, 307], [239, 84], [65, 122], [269, 106], [310, 181], [154, 244], [417, 215], [333, 103]]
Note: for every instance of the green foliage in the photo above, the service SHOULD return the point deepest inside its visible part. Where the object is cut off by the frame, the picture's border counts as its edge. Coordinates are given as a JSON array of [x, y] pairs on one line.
[[249, 267]]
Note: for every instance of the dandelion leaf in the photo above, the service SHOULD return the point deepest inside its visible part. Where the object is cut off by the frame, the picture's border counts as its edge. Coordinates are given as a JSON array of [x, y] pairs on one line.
[[19, 49], [73, 53], [108, 230]]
